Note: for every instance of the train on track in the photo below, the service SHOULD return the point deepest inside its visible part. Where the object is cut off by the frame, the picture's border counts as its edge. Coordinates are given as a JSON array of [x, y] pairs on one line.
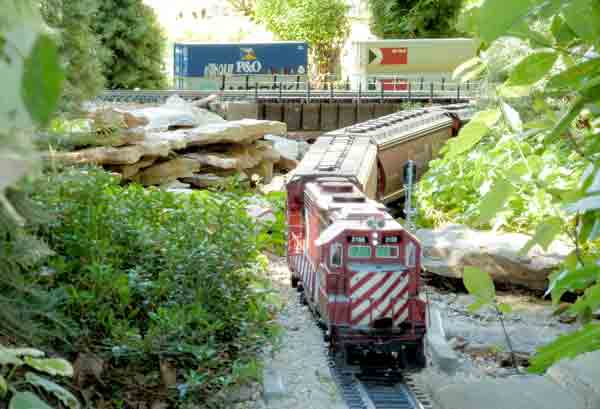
[[356, 267]]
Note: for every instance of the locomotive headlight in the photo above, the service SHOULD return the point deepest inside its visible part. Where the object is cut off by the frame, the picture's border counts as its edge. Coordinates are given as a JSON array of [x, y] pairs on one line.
[[375, 236], [375, 243]]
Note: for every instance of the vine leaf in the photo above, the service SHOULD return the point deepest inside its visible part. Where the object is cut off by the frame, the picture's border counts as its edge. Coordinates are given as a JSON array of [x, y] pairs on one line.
[[479, 284], [494, 200], [61, 393], [496, 17], [51, 366], [566, 346], [545, 233], [532, 68], [42, 80], [27, 400], [571, 280], [3, 387], [472, 133]]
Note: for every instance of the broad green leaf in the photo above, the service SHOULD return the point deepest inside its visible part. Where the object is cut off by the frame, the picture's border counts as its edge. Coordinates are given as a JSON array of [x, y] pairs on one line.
[[566, 346], [571, 280], [565, 121], [61, 393], [477, 304], [574, 78], [3, 386], [539, 124], [590, 300], [496, 17], [51, 366], [8, 357], [532, 68], [561, 31], [27, 400], [36, 353], [505, 308], [524, 31], [479, 284], [545, 233], [583, 17], [42, 80], [494, 200], [472, 133]]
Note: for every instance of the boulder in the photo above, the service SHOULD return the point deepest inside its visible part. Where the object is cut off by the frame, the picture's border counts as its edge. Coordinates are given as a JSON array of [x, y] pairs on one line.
[[107, 155], [175, 113], [446, 251], [114, 118], [205, 180], [128, 171], [264, 169], [166, 172], [236, 156], [288, 148]]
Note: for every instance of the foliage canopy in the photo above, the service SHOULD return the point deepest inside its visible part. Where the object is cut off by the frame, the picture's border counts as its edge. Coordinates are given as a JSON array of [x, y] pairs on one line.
[[414, 18], [324, 24], [537, 168], [135, 44]]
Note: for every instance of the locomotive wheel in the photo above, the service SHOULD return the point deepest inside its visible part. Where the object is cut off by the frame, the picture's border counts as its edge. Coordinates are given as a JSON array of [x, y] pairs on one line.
[[416, 355], [295, 281]]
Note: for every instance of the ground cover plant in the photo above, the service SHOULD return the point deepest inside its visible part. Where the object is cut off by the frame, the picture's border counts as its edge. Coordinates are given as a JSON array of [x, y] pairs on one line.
[[157, 280]]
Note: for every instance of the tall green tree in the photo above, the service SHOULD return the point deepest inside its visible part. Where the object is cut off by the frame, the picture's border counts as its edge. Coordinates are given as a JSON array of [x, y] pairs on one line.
[[135, 44], [414, 18], [79, 47], [324, 24]]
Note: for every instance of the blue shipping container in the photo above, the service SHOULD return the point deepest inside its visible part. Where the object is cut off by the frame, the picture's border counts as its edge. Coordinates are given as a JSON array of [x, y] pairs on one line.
[[210, 60]]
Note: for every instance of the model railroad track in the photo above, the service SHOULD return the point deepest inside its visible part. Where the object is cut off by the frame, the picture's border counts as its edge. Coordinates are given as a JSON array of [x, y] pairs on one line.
[[379, 390], [281, 95]]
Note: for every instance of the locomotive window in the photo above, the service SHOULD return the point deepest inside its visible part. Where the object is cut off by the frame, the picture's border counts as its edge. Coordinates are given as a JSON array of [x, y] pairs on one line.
[[387, 251], [336, 255], [359, 252]]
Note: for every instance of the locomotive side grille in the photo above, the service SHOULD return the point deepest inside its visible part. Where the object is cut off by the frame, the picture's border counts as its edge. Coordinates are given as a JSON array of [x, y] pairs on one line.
[[378, 295]]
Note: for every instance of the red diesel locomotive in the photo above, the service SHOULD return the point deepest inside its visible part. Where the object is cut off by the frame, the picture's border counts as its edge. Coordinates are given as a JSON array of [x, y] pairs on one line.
[[356, 267]]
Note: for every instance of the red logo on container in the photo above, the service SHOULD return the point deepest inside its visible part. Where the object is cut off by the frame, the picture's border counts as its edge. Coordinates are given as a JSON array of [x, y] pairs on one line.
[[388, 56]]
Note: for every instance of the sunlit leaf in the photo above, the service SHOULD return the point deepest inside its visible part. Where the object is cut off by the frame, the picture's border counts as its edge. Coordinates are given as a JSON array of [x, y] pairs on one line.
[[561, 31], [477, 305], [590, 300], [51, 366], [8, 357], [532, 68], [584, 205], [583, 17], [496, 17], [505, 308], [512, 117], [545, 233], [571, 280], [42, 80], [494, 200], [566, 346], [27, 400], [479, 284], [66, 397], [574, 78]]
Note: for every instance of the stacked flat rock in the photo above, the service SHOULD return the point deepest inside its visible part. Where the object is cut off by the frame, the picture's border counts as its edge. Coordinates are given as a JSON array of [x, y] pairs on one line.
[[179, 142]]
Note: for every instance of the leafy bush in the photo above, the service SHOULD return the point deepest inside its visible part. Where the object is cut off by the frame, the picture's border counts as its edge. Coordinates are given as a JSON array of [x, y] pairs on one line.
[[534, 170], [414, 18], [152, 273]]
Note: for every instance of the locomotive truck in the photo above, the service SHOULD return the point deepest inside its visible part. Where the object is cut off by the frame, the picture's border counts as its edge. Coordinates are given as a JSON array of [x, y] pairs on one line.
[[356, 267]]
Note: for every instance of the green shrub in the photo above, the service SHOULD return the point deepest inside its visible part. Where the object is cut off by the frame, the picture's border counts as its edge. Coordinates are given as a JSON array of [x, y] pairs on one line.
[[152, 273]]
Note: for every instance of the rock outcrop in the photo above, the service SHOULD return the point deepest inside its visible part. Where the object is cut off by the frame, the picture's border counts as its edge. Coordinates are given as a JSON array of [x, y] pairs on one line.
[[446, 251], [179, 141]]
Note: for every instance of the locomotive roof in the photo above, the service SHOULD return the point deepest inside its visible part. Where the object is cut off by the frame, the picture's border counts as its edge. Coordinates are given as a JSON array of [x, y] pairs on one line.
[[398, 127], [341, 155]]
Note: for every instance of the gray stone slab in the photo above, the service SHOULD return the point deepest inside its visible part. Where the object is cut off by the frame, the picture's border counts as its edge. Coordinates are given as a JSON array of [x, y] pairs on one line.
[[580, 375], [329, 116], [440, 353], [311, 120], [292, 116], [528, 392]]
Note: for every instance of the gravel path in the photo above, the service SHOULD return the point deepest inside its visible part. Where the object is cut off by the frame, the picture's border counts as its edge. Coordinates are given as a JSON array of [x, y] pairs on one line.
[[299, 363]]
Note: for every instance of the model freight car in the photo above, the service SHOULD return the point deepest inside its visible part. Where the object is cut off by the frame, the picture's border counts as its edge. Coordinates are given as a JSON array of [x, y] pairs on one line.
[[207, 66], [393, 64], [356, 267]]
